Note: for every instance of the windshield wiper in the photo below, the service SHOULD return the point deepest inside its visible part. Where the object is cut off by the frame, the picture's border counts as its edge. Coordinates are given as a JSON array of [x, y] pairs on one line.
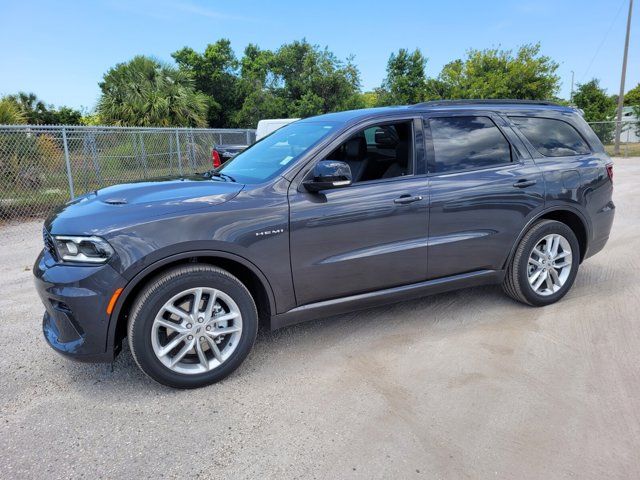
[[214, 173]]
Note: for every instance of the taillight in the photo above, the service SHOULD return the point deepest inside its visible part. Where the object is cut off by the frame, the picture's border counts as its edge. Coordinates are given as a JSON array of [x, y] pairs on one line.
[[215, 158], [610, 171]]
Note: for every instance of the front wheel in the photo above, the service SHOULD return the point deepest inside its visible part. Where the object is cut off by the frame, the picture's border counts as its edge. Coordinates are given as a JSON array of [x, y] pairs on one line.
[[544, 265], [192, 326]]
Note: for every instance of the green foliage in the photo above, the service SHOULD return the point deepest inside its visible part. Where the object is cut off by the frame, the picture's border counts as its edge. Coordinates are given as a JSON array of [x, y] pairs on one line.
[[495, 73], [314, 81], [36, 112], [10, 113], [145, 92], [632, 97], [594, 101], [215, 73], [406, 81], [91, 120], [370, 99], [297, 80]]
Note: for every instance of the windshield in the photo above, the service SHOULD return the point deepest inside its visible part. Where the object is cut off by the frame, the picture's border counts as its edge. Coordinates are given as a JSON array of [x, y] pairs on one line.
[[271, 155]]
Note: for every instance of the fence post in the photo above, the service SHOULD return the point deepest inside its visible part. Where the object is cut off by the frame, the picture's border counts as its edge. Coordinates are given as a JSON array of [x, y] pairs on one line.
[[67, 162], [143, 152], [179, 153], [248, 137], [94, 157], [192, 151]]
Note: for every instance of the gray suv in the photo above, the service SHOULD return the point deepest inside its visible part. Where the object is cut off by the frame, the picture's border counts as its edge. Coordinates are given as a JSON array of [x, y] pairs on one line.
[[327, 215]]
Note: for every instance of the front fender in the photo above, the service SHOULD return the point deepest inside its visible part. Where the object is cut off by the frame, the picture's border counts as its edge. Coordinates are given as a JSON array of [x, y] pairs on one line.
[[150, 266]]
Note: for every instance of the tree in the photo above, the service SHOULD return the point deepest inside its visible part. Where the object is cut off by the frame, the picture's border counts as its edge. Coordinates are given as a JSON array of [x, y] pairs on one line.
[[312, 80], [68, 116], [30, 106], [597, 107], [594, 101], [216, 75], [495, 73], [36, 112], [10, 113], [297, 80], [145, 92], [257, 88], [632, 97], [406, 81]]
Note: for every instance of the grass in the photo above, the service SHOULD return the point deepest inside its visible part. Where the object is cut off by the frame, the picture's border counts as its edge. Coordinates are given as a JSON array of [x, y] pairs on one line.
[[626, 149]]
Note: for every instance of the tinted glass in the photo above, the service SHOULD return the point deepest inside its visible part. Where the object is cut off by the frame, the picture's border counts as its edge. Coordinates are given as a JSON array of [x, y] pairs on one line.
[[271, 155], [552, 138], [463, 143]]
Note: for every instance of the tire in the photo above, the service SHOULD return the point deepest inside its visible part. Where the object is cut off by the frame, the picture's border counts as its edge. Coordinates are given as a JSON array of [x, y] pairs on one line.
[[210, 359], [516, 282]]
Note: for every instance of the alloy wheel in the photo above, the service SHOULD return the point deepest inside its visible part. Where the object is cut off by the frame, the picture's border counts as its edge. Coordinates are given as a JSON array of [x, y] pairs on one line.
[[549, 264], [196, 330]]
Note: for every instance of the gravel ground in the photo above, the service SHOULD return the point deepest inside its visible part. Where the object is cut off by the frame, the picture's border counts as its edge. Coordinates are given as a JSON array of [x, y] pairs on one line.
[[462, 385]]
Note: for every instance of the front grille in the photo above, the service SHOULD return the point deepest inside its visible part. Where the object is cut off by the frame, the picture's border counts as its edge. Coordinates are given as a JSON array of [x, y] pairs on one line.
[[48, 244]]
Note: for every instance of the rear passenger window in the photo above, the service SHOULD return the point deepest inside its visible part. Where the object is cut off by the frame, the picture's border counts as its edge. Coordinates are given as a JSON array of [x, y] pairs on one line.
[[552, 138], [463, 143]]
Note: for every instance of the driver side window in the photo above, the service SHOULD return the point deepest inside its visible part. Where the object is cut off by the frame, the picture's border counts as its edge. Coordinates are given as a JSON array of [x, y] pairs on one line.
[[378, 152]]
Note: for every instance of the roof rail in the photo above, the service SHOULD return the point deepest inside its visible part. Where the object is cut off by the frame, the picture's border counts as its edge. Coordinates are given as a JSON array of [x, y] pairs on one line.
[[492, 101]]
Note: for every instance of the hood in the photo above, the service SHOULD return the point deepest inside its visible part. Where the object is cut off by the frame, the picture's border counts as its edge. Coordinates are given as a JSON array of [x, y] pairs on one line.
[[114, 207]]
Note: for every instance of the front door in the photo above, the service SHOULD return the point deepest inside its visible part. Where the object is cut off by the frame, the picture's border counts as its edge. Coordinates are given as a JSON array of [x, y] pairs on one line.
[[372, 234], [484, 187]]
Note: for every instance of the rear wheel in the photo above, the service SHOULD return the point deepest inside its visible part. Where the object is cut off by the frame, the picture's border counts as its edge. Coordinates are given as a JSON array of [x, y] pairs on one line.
[[192, 326], [545, 264]]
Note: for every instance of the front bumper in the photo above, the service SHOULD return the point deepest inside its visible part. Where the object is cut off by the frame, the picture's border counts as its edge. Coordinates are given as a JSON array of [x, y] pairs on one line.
[[75, 322]]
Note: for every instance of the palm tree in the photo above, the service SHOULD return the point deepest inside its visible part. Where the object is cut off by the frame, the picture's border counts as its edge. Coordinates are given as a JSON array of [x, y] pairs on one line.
[[10, 112], [146, 92], [30, 106]]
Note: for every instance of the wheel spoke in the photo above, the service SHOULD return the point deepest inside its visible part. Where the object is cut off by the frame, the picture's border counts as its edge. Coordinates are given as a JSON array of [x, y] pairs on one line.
[[535, 262], [183, 351], [179, 338], [549, 281], [541, 279], [535, 275], [538, 252], [562, 255], [225, 318], [201, 355], [214, 348], [169, 324], [177, 311], [555, 277], [561, 265], [555, 243], [224, 331], [210, 304], [197, 297]]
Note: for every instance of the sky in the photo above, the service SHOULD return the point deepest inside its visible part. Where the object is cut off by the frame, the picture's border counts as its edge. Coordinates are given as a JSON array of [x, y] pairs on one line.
[[61, 49]]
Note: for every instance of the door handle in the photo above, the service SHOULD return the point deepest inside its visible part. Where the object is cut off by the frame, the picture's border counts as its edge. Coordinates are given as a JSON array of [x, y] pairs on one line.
[[407, 199], [524, 183]]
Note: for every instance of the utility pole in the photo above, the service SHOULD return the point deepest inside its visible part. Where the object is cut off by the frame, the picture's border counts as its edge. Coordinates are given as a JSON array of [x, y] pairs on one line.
[[616, 149], [571, 94]]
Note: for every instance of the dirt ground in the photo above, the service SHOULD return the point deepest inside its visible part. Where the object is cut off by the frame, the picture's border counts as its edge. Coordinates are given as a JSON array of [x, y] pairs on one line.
[[462, 385]]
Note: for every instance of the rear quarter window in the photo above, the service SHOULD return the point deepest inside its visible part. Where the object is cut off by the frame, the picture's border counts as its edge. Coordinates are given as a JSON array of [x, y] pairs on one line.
[[551, 137]]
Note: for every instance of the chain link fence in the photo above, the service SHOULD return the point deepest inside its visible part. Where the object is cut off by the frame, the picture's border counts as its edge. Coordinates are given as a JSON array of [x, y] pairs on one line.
[[42, 167], [629, 136]]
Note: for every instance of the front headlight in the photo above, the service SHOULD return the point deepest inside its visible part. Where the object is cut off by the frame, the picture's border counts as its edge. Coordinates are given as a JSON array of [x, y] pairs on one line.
[[82, 249]]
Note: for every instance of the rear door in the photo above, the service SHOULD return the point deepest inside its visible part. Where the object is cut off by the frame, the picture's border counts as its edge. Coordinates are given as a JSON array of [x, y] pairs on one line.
[[484, 186]]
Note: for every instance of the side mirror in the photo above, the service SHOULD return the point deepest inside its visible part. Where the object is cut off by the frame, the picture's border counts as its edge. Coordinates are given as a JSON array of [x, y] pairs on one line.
[[329, 174]]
